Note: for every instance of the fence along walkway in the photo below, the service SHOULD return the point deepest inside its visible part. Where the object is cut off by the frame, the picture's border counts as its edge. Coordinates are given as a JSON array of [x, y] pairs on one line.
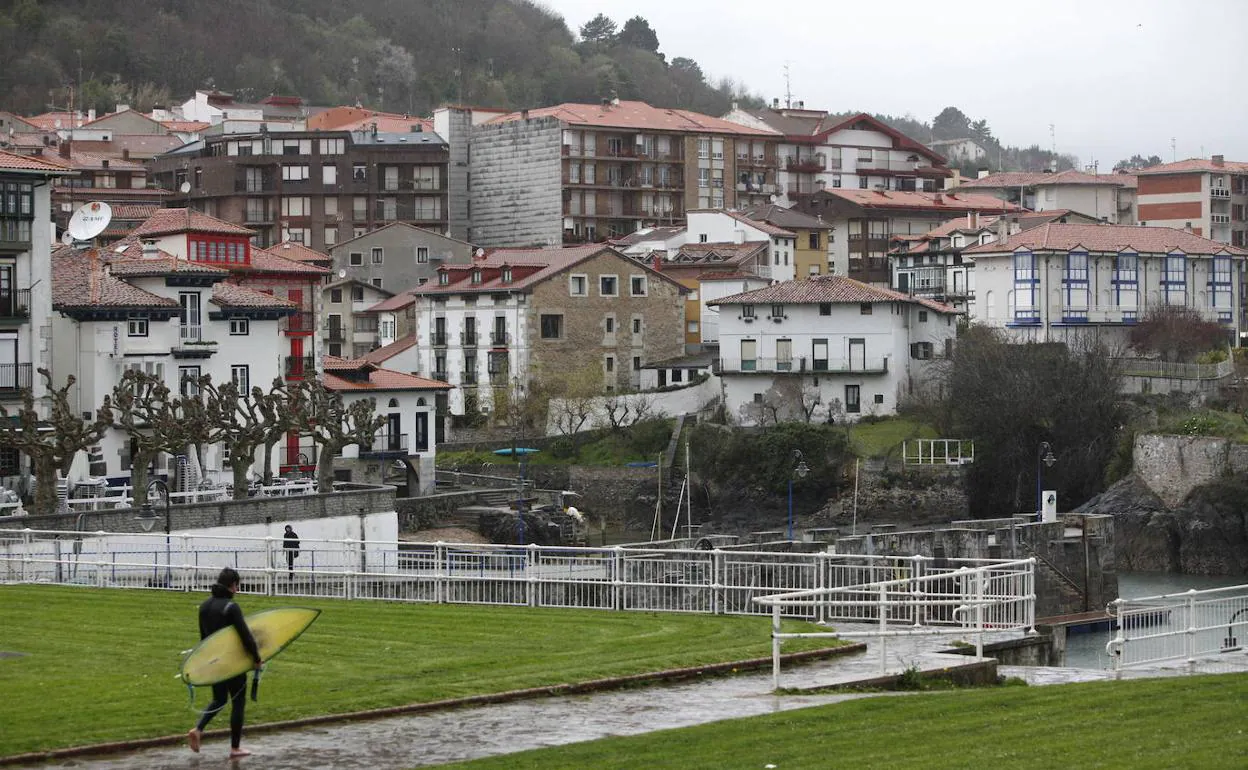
[[1185, 626], [970, 597], [618, 578]]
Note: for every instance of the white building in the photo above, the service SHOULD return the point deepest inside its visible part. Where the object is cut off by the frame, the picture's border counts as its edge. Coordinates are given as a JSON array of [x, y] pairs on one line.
[[25, 286], [959, 150], [404, 449], [156, 312], [829, 347], [1104, 197], [724, 226], [820, 151], [1059, 282]]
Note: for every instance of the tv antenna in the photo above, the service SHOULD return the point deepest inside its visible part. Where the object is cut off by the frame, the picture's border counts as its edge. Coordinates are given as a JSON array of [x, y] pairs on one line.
[[1174, 153], [788, 87]]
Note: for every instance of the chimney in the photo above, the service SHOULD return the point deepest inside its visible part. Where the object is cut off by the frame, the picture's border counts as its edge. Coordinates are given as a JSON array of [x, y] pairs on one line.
[[801, 105], [1219, 160], [150, 251], [524, 114], [735, 106], [972, 220], [775, 104], [1003, 229], [66, 144], [738, 236], [90, 114], [982, 173], [1187, 228], [657, 262], [939, 199], [125, 153]]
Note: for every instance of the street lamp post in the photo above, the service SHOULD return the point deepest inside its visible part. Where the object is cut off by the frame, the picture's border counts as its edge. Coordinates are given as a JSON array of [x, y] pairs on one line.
[[800, 470], [1044, 459], [147, 519]]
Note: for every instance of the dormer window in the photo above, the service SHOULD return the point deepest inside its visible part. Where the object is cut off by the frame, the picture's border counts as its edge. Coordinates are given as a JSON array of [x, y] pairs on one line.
[[444, 279], [476, 276], [506, 275]]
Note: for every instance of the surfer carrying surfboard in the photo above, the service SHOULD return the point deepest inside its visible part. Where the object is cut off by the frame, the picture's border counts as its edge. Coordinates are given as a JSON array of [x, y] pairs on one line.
[[218, 612]]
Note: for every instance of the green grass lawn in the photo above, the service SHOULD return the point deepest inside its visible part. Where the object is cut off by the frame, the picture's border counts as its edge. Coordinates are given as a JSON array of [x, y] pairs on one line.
[[99, 664], [879, 439], [1196, 722]]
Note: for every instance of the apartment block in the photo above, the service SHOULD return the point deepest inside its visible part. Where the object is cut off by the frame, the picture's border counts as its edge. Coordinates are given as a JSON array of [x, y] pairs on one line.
[[582, 173], [1208, 196], [1105, 197], [820, 151], [317, 188]]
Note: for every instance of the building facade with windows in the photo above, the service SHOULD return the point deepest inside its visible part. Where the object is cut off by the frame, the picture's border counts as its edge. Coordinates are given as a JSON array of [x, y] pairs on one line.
[[25, 288], [1104, 197], [829, 347], [821, 151], [584, 173], [1210, 196], [865, 222], [398, 256], [403, 452], [519, 316], [1063, 282], [163, 314], [348, 329], [317, 188]]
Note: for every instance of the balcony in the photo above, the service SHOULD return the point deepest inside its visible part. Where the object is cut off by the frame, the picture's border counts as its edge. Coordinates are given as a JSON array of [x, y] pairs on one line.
[[299, 367], [440, 375], [499, 339], [886, 166], [1219, 192], [191, 343], [385, 445], [468, 339], [301, 457], [439, 339], [499, 379], [14, 306], [468, 378], [14, 378], [406, 212], [805, 165], [301, 322], [801, 365], [336, 334], [254, 185]]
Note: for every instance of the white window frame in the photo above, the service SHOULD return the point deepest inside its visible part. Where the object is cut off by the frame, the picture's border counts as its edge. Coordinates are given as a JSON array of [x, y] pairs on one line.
[[615, 292], [240, 327]]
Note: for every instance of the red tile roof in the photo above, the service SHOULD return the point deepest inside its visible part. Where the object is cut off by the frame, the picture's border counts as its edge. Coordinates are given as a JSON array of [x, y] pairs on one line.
[[171, 221], [386, 352], [54, 120], [1037, 179], [269, 261], [298, 252], [10, 161], [1107, 238], [757, 224], [378, 379], [1200, 165], [232, 295], [133, 211], [130, 263], [185, 126], [357, 118], [339, 364], [820, 289], [79, 281], [925, 201], [85, 160], [637, 115]]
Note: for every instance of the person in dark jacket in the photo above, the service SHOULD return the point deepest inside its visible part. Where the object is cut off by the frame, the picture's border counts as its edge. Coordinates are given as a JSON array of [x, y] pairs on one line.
[[290, 544], [217, 613]]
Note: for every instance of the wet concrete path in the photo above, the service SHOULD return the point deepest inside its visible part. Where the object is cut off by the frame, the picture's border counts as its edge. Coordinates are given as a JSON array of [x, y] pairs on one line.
[[421, 740]]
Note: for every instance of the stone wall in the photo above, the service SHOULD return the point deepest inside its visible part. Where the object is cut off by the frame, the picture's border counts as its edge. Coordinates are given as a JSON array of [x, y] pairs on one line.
[[1172, 466], [669, 403], [221, 513], [912, 495]]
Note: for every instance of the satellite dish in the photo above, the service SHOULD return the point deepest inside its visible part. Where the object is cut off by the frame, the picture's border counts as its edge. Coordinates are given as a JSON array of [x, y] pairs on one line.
[[480, 253], [185, 187], [67, 238], [342, 273], [774, 199], [89, 221]]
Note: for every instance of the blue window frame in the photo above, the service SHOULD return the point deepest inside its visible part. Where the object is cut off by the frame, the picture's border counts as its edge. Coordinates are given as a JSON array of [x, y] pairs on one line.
[[1174, 279], [1026, 288], [1220, 297], [1075, 288]]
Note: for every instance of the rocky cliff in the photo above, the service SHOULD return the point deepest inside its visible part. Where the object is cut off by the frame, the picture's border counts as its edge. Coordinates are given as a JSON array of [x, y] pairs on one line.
[[1206, 533]]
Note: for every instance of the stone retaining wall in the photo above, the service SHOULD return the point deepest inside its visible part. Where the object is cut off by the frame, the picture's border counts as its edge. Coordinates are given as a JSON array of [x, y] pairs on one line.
[[1172, 466]]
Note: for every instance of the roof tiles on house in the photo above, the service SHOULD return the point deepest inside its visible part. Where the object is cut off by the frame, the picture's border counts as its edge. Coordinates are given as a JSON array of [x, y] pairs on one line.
[[924, 201], [1040, 179], [185, 126], [823, 289], [232, 295], [789, 219], [386, 352], [383, 380], [10, 161], [171, 221], [298, 252], [270, 261], [1107, 238], [758, 224], [128, 261], [80, 280], [634, 115], [1196, 165]]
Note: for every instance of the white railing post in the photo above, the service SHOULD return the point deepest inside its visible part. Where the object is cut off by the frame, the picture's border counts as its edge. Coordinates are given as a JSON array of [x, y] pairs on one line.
[[881, 604], [1114, 648], [979, 613], [617, 581], [531, 552], [1190, 639], [717, 581], [268, 570], [775, 646], [440, 572]]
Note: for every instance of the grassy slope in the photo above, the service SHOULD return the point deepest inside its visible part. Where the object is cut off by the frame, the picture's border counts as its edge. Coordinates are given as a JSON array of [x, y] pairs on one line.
[[100, 664], [1194, 722]]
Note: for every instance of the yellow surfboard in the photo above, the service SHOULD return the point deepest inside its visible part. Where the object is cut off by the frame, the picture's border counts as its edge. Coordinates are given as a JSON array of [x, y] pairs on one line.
[[222, 655]]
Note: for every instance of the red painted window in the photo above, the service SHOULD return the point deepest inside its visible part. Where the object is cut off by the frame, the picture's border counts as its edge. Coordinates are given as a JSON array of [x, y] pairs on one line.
[[220, 249]]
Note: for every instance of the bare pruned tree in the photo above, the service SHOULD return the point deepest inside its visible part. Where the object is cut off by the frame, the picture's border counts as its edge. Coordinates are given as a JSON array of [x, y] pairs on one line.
[[157, 420], [1177, 333], [322, 415], [621, 410], [51, 444], [242, 422], [574, 399]]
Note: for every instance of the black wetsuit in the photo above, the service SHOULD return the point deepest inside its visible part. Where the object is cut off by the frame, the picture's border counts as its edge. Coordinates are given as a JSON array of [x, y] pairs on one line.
[[290, 543], [215, 614]]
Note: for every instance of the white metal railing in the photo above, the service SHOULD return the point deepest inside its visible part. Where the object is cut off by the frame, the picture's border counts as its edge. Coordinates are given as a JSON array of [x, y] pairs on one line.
[[1184, 626], [938, 451], [1143, 367], [617, 578], [964, 596]]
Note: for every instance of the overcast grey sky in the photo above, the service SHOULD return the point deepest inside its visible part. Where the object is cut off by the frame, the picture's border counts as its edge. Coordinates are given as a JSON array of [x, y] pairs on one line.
[[1115, 77]]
